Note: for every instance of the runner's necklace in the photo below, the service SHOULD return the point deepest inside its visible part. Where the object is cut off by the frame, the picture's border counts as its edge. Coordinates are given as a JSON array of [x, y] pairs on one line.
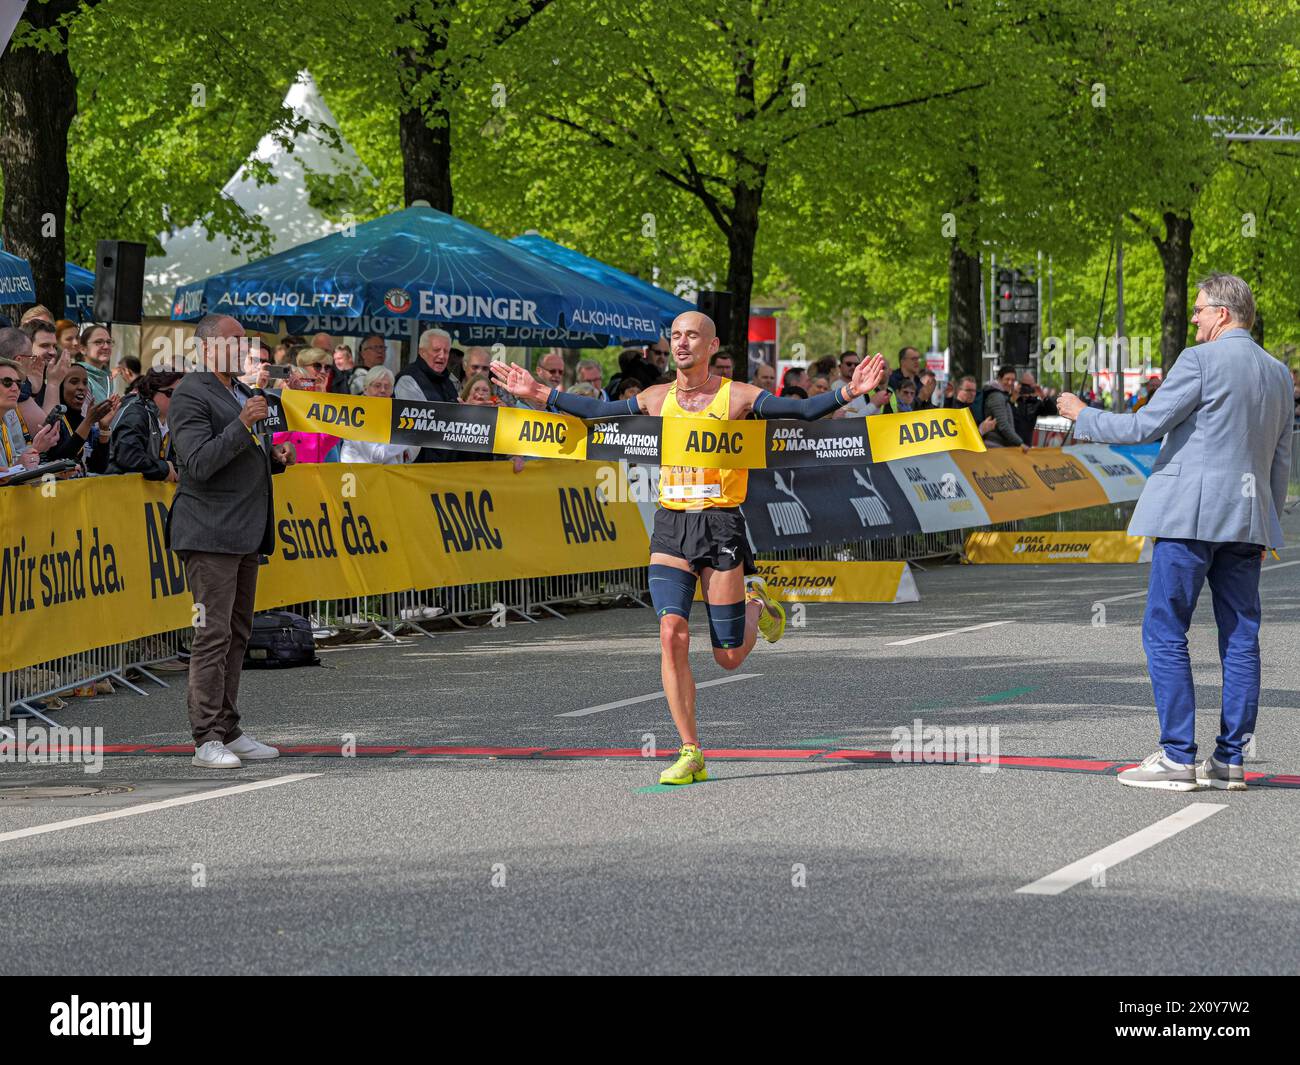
[[697, 387]]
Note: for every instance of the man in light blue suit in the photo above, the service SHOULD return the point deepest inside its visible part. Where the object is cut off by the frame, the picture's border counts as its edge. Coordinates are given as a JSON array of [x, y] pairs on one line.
[[1213, 502]]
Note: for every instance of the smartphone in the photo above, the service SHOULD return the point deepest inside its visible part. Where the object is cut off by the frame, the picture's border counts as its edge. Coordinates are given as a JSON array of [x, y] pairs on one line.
[[56, 413], [277, 371]]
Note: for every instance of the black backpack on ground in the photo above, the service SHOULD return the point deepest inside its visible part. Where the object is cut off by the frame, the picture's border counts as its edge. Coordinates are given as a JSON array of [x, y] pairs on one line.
[[279, 640]]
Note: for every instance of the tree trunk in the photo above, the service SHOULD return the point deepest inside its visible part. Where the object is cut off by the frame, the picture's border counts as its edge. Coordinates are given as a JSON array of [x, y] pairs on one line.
[[861, 335], [965, 336], [424, 124], [741, 240], [1176, 256], [38, 99]]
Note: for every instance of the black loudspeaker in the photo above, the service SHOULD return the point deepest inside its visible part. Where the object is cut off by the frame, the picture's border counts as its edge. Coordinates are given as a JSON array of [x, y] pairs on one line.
[[1017, 343], [119, 281], [717, 305]]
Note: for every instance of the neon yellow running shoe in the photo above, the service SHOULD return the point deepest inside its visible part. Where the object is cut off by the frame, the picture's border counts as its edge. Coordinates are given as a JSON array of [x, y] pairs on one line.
[[688, 767], [771, 619]]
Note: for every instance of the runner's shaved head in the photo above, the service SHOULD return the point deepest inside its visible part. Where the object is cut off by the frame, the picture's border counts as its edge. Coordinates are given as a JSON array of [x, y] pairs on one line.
[[696, 322]]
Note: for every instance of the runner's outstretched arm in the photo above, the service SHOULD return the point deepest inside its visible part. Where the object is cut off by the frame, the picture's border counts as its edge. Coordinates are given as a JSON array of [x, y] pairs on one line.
[[519, 382], [866, 378], [589, 406]]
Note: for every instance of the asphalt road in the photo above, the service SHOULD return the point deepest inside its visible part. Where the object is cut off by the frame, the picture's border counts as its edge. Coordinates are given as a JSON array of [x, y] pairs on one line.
[[788, 860]]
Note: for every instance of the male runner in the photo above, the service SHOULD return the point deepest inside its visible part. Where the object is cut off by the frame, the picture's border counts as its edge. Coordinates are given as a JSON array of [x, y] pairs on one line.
[[699, 532]]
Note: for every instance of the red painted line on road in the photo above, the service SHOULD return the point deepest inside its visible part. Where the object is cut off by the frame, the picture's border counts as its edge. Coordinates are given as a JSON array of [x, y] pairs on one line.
[[1067, 765], [336, 749], [490, 752], [759, 753], [853, 755], [1076, 765], [597, 752], [1079, 765]]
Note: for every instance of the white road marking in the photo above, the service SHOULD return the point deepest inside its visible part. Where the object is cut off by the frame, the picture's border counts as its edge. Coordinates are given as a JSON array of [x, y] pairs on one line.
[[1085, 868], [1142, 594], [150, 807], [950, 632], [655, 695], [1117, 598]]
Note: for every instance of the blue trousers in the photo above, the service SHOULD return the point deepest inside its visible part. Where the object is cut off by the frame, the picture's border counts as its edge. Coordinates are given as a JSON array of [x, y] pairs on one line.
[[1178, 569]]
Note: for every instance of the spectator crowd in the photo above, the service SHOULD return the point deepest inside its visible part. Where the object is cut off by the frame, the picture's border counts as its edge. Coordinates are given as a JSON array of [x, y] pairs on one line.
[[61, 400]]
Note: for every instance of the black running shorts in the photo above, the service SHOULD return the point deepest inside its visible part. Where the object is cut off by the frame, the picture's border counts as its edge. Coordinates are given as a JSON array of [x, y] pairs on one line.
[[713, 538]]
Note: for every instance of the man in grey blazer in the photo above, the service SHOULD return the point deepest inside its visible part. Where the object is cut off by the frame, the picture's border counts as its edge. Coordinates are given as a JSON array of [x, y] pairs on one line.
[[220, 524], [1214, 502]]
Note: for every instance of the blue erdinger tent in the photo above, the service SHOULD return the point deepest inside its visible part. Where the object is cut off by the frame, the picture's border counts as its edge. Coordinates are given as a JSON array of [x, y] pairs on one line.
[[420, 265], [668, 305]]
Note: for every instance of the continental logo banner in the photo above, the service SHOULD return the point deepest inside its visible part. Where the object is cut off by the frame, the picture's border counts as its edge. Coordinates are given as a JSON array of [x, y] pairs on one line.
[[1011, 484], [838, 582], [699, 442], [87, 563], [1037, 548]]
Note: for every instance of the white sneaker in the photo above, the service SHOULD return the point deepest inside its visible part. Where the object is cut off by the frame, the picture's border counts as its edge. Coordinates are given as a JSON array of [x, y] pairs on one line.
[[432, 611], [215, 755], [249, 748]]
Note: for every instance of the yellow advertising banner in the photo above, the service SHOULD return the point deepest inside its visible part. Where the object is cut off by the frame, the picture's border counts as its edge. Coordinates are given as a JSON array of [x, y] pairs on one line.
[[719, 445], [899, 436], [1012, 484], [1033, 548], [752, 444], [351, 417], [85, 564], [838, 582], [533, 432]]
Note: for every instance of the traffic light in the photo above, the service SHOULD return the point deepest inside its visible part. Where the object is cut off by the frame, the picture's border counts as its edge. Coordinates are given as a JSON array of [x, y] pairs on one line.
[[1017, 303]]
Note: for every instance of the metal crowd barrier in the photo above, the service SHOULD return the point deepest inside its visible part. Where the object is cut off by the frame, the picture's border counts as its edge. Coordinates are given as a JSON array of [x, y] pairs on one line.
[[22, 690]]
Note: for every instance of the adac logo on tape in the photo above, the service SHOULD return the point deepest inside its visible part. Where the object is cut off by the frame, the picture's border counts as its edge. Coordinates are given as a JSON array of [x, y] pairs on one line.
[[934, 429], [349, 418], [531, 432], [521, 432], [915, 433], [708, 442], [338, 414]]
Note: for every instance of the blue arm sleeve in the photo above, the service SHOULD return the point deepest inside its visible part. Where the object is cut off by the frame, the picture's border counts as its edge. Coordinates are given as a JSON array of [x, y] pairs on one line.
[[587, 407], [770, 406]]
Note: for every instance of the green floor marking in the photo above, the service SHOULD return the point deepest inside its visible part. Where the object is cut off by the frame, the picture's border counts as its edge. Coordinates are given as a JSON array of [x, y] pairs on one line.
[[1010, 693]]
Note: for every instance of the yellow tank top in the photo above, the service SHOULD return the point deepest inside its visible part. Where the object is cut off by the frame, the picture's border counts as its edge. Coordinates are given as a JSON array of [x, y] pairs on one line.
[[693, 487]]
